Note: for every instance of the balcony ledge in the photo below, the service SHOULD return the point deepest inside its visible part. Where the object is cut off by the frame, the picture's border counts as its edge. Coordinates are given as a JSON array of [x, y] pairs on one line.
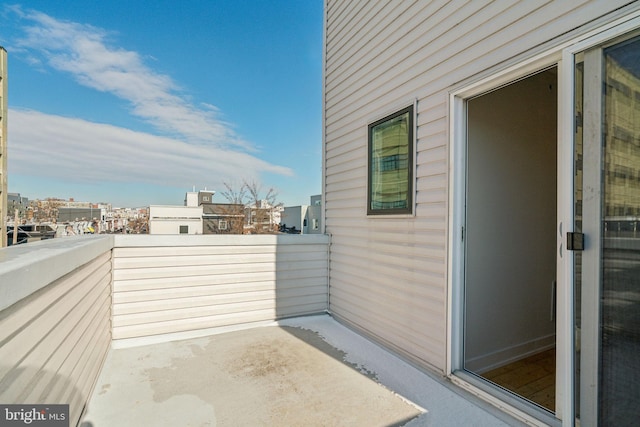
[[24, 269]]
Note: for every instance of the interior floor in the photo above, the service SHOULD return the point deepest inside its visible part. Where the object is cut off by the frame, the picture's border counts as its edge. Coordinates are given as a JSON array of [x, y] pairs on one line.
[[533, 378]]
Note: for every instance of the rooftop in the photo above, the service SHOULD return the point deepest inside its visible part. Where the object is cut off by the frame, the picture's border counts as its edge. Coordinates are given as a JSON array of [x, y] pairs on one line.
[[306, 371], [202, 330]]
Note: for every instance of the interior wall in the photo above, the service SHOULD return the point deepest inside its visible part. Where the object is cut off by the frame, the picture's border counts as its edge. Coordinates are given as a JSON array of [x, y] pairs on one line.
[[511, 219]]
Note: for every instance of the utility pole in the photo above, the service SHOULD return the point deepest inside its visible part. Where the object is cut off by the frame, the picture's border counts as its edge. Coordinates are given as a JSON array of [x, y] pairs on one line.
[[16, 221]]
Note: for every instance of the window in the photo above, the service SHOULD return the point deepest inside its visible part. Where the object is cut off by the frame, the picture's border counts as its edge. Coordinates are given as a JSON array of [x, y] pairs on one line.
[[315, 223], [222, 225], [184, 229], [391, 164]]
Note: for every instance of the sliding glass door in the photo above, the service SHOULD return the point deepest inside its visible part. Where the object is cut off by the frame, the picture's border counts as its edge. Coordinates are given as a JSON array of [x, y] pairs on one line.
[[607, 211]]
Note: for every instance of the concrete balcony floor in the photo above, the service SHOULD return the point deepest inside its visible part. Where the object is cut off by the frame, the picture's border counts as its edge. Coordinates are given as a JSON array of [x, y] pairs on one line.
[[307, 371]]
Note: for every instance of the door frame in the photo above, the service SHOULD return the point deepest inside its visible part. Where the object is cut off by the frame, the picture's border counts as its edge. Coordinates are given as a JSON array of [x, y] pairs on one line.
[[563, 57]]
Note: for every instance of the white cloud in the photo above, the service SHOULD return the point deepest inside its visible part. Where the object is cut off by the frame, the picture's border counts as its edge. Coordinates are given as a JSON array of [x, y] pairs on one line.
[[84, 152], [84, 52]]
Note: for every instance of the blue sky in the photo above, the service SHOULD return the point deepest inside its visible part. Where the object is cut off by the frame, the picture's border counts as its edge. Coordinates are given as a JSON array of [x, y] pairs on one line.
[[135, 102]]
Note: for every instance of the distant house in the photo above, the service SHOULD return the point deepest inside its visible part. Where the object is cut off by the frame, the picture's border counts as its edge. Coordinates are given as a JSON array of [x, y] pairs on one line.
[[303, 219], [175, 219], [223, 218], [199, 215], [261, 218], [482, 192]]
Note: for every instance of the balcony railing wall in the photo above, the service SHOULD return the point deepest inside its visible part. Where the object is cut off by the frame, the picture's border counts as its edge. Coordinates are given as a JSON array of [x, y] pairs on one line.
[[175, 287], [54, 321]]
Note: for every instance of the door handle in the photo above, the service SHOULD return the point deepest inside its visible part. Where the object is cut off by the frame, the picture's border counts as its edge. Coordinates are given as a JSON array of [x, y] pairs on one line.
[[575, 241]]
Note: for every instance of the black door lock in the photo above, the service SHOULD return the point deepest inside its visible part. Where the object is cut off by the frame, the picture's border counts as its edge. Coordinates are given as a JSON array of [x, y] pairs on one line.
[[575, 241]]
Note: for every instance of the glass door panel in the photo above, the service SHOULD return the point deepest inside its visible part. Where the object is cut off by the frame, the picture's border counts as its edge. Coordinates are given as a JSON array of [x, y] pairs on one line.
[[607, 211], [619, 396]]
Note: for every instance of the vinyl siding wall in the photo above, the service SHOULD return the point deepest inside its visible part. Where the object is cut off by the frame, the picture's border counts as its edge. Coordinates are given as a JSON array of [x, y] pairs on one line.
[[171, 287], [388, 276], [53, 342]]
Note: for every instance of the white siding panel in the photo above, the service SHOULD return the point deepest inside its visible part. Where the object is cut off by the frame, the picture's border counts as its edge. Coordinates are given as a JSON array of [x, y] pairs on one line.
[[388, 275], [167, 286], [53, 342]]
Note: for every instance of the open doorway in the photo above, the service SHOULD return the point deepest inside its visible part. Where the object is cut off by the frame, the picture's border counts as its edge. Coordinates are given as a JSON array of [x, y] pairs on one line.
[[510, 237]]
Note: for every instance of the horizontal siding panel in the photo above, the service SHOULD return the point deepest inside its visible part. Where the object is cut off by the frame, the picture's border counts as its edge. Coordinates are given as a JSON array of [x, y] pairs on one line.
[[231, 279], [224, 249], [353, 160], [252, 305], [349, 176], [54, 367], [418, 52], [161, 290], [205, 290], [13, 320], [384, 324], [432, 53], [187, 325], [369, 31], [404, 45], [179, 251], [387, 308], [432, 272], [94, 338], [348, 20], [425, 354], [53, 342], [179, 272], [192, 260], [191, 324], [38, 327], [433, 137], [427, 287], [345, 194], [157, 283], [186, 271], [193, 301], [228, 260]]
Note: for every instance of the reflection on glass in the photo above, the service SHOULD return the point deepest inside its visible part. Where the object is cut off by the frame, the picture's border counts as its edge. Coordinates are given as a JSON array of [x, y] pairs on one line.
[[620, 310], [577, 197], [390, 163]]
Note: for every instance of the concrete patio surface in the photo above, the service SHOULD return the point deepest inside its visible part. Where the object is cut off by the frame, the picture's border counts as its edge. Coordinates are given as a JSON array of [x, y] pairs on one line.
[[309, 371]]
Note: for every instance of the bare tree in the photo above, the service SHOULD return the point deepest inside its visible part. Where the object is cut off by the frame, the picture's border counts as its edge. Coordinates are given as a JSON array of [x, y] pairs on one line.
[[259, 206]]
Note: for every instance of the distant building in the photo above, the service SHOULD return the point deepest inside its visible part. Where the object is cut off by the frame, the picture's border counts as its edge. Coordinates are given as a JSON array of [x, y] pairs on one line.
[[261, 217], [175, 219], [217, 218], [3, 147], [75, 214], [16, 201], [223, 218], [198, 216], [303, 219]]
